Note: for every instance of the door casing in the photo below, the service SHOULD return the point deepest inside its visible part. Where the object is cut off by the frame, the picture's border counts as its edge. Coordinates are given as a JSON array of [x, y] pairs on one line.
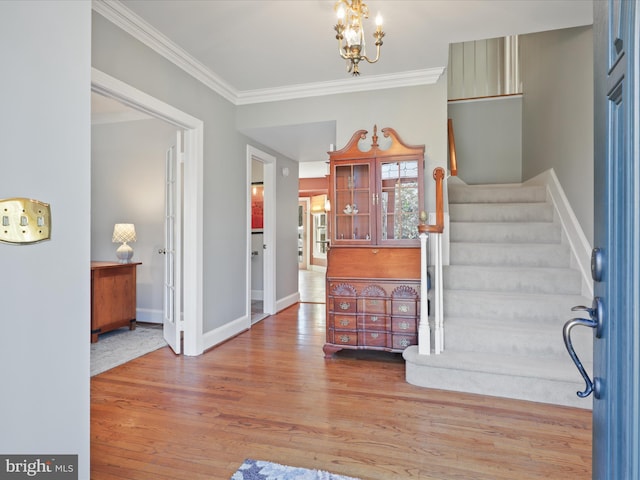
[[192, 246]]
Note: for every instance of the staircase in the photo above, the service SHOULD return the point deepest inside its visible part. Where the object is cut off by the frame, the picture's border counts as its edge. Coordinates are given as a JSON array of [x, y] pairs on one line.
[[508, 291]]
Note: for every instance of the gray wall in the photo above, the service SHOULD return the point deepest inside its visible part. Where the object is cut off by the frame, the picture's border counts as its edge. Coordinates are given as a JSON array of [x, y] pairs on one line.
[[44, 91], [286, 254], [557, 79], [418, 114], [121, 56], [127, 186], [286, 229], [488, 136]]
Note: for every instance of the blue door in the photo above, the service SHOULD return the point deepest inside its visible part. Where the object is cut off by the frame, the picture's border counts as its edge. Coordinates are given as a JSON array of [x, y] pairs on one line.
[[616, 258]]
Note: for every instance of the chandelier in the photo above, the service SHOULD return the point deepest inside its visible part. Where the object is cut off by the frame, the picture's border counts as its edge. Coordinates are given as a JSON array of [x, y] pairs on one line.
[[350, 33]]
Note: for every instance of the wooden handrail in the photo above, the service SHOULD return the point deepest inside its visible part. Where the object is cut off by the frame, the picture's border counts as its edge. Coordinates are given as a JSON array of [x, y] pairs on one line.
[[453, 164], [423, 227]]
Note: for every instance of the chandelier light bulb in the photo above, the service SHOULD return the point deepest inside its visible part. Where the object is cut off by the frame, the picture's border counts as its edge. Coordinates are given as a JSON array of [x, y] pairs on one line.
[[351, 35]]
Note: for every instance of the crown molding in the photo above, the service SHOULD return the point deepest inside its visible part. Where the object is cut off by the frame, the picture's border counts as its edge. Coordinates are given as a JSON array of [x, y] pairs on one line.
[[350, 85], [122, 17]]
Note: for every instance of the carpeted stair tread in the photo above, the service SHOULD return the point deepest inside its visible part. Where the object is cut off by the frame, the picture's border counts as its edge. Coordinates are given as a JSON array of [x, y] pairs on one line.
[[503, 212], [502, 232], [496, 194], [534, 378], [535, 366], [506, 335], [510, 279], [522, 254], [529, 307]]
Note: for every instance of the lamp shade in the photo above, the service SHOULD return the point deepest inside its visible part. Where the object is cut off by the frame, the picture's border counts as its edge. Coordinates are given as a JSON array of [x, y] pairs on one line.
[[124, 232]]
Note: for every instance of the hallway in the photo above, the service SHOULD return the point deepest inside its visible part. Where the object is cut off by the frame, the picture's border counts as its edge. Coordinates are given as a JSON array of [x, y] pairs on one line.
[[311, 285]]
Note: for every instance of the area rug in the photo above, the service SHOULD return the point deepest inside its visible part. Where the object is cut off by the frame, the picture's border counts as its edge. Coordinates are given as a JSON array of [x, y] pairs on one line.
[[260, 470], [123, 345]]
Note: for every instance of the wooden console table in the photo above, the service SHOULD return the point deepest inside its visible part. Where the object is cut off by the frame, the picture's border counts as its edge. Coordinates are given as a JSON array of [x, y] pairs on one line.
[[113, 297]]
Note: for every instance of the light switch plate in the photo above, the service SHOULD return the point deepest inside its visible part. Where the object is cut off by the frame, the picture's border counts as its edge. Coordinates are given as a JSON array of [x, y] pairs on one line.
[[24, 221]]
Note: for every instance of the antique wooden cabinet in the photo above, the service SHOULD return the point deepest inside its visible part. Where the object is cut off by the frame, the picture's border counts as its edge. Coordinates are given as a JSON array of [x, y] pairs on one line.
[[113, 297], [373, 298], [373, 264], [376, 195]]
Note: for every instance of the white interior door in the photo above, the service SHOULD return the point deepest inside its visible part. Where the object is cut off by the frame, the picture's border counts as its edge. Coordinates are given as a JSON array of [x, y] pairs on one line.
[[172, 324]]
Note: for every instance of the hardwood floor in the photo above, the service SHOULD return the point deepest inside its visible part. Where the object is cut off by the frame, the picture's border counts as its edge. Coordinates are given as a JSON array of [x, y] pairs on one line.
[[311, 285], [269, 394]]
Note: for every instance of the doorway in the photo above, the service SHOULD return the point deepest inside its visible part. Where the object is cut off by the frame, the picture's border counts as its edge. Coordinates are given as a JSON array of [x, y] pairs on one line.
[[191, 248], [303, 229], [315, 241], [261, 238]]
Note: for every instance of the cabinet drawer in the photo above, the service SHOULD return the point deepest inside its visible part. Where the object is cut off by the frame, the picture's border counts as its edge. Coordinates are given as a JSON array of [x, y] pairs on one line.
[[400, 342], [372, 305], [344, 305], [402, 325], [343, 322], [374, 322], [404, 307], [372, 339], [345, 338]]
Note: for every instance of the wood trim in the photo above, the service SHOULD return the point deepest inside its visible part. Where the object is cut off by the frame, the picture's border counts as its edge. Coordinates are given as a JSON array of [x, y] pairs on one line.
[[397, 148], [453, 163], [486, 97], [438, 176]]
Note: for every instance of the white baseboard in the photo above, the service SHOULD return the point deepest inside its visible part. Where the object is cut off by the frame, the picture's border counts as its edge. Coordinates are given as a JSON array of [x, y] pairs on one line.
[[225, 332], [257, 294], [148, 315], [575, 235], [317, 268], [286, 302], [229, 330]]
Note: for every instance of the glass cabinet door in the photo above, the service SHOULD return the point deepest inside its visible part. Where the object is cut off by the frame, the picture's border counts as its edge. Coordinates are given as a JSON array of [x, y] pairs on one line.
[[399, 200], [352, 203]]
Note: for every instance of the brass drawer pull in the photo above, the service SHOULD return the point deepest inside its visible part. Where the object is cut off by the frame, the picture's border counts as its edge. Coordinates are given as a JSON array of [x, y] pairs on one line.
[[345, 305], [404, 342], [344, 322], [403, 308], [404, 325], [344, 338], [375, 335], [374, 318]]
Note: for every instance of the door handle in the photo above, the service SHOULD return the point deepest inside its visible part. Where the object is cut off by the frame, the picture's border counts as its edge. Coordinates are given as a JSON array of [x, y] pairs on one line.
[[595, 322], [595, 312]]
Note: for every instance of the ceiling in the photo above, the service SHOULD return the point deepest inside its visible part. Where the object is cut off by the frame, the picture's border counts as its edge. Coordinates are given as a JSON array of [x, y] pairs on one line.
[[262, 48]]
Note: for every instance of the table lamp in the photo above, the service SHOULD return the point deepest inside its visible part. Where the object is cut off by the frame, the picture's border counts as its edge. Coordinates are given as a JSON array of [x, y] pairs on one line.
[[124, 232]]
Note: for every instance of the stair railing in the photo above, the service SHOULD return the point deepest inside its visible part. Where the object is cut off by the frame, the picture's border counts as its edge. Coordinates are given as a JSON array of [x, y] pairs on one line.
[[453, 162], [424, 230]]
